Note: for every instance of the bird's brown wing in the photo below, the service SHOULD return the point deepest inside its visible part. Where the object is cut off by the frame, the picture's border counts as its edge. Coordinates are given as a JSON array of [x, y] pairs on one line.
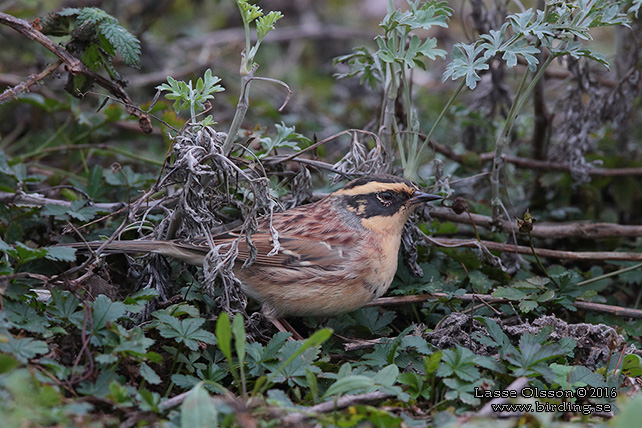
[[294, 251], [299, 241]]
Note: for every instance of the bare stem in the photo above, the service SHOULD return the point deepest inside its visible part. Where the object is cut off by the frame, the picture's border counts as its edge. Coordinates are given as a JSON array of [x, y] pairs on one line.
[[241, 110]]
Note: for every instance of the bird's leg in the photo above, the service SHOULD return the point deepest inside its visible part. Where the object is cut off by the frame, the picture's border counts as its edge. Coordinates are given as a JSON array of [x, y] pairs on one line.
[[282, 325]]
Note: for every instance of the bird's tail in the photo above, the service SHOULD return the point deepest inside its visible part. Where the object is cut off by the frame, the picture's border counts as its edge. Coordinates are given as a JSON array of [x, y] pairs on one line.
[[165, 248]]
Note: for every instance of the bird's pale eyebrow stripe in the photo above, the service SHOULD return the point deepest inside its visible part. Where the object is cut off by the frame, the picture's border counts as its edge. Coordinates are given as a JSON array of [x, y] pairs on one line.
[[374, 187]]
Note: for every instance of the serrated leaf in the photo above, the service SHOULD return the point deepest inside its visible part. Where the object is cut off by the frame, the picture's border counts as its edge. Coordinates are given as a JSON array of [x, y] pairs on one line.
[[509, 293], [186, 331], [61, 254], [93, 15], [479, 282], [64, 305], [125, 43], [24, 348], [528, 305], [106, 311], [377, 323], [459, 362], [149, 374], [58, 211]]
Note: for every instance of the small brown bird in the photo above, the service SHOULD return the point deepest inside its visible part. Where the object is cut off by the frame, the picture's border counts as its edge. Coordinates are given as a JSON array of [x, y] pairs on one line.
[[336, 254]]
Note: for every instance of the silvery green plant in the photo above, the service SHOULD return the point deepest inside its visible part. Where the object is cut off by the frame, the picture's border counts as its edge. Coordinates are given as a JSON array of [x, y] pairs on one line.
[[388, 68]]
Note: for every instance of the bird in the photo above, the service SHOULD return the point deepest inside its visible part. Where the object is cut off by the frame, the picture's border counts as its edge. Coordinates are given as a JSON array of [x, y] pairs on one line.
[[335, 255]]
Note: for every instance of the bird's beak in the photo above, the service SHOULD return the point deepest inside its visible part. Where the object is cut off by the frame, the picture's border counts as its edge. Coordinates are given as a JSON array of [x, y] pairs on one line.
[[421, 197]]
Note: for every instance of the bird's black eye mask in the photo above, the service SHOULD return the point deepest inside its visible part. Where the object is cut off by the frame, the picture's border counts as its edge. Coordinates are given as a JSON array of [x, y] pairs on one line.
[[384, 203]]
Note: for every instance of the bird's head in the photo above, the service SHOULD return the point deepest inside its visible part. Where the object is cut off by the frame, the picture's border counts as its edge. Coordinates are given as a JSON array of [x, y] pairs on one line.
[[383, 203]]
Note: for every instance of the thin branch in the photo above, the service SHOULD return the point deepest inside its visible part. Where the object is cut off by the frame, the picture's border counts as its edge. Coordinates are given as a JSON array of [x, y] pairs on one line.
[[278, 82], [561, 166], [38, 200], [329, 406], [75, 66], [534, 164], [469, 297], [324, 141], [13, 93], [543, 252], [585, 230]]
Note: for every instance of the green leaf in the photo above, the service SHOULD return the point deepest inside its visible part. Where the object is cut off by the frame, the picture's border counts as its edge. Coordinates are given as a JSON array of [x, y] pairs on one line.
[[461, 390], [58, 211], [94, 58], [61, 254], [387, 376], [198, 410], [238, 329], [119, 394], [23, 253], [266, 23], [466, 62], [534, 352], [249, 12], [133, 342], [95, 186], [521, 47], [629, 415], [64, 305], [459, 362], [316, 340], [417, 50], [187, 331], [100, 388], [92, 15], [528, 305], [632, 365], [431, 363], [349, 384], [509, 293], [4, 165], [7, 363], [377, 323], [479, 282], [106, 311], [283, 139], [24, 348], [224, 335], [149, 374], [78, 210], [573, 377], [125, 43]]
